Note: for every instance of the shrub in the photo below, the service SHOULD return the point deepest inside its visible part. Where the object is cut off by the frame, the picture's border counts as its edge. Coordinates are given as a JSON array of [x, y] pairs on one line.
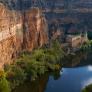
[[35, 68], [38, 55], [16, 76], [4, 84], [87, 46]]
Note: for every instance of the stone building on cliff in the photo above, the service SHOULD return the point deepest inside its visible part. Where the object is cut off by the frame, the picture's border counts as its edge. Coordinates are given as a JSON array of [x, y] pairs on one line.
[[76, 41]]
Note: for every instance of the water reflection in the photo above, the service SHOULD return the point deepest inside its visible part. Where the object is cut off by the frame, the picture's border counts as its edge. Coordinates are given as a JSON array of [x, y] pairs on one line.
[[73, 77], [39, 85], [72, 80], [89, 68], [34, 86], [80, 59]]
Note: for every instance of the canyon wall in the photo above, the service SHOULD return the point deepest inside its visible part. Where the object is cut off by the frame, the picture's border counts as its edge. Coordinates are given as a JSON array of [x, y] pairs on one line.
[[20, 31], [36, 29], [10, 39]]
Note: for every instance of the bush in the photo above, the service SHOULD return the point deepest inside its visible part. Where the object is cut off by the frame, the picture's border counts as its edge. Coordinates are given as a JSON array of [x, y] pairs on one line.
[[40, 60], [32, 67], [87, 46], [35, 68], [38, 55], [4, 84], [16, 76]]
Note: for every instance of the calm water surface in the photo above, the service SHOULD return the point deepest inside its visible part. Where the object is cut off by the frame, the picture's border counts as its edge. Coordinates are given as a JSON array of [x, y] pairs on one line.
[[71, 78]]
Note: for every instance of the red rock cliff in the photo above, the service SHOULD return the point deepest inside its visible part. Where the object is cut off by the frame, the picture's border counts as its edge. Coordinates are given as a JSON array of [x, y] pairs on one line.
[[36, 29], [17, 30]]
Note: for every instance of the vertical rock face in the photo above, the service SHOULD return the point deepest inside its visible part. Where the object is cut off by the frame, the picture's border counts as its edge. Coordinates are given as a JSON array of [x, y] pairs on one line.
[[18, 30], [10, 43], [36, 29]]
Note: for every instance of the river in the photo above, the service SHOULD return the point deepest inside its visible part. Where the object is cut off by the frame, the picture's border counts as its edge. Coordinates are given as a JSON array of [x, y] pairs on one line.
[[73, 77]]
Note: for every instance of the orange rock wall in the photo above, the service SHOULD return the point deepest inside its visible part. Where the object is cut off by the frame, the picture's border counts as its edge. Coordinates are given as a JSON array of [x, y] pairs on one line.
[[36, 29], [20, 31]]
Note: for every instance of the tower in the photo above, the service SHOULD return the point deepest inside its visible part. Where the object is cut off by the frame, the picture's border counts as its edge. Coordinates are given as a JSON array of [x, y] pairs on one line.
[[84, 35]]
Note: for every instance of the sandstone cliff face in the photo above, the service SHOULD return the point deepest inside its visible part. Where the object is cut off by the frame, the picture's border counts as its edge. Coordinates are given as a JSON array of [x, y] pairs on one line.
[[10, 43], [17, 30], [36, 29]]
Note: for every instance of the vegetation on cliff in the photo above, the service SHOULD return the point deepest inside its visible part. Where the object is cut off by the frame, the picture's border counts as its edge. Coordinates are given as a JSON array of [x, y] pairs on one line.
[[31, 65], [87, 45], [41, 60], [4, 84]]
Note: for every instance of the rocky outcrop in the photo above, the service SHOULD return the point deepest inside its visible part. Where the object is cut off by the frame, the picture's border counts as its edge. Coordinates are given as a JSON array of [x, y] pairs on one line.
[[20, 30], [36, 29]]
